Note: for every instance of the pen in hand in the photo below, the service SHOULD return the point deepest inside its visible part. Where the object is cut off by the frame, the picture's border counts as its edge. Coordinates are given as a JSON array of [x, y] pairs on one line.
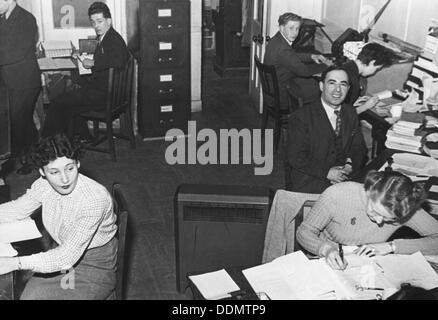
[[341, 252]]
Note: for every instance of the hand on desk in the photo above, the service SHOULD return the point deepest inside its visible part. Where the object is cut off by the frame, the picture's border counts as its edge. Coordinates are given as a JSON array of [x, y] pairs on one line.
[[333, 257], [338, 174], [374, 249], [365, 103], [8, 265], [318, 58], [86, 62]]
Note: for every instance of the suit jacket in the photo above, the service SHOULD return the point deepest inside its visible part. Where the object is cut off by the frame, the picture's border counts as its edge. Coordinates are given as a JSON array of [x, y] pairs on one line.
[[18, 63], [111, 52], [294, 70], [311, 146]]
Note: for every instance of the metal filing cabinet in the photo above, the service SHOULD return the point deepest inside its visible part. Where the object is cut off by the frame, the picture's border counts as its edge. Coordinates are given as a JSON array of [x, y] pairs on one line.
[[164, 73]]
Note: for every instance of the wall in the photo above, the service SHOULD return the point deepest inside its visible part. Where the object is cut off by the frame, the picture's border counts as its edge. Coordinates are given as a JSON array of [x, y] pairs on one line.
[[404, 19]]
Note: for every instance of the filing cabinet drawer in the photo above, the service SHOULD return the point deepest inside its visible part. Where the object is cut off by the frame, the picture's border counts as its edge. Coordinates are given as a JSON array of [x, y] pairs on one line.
[[163, 115], [165, 16], [166, 80], [165, 51]]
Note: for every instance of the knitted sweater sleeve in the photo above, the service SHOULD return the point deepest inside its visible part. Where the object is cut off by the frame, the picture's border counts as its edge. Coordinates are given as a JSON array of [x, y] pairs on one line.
[[308, 233]]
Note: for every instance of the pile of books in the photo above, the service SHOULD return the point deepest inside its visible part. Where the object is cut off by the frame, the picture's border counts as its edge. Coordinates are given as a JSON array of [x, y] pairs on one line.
[[407, 134]]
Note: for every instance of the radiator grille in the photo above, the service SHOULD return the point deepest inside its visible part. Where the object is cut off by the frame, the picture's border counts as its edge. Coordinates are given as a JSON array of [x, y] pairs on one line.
[[223, 213]]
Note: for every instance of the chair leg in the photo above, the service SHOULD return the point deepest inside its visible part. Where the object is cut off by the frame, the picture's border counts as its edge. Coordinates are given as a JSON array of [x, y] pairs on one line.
[[277, 133], [110, 138], [129, 127], [264, 121], [95, 130]]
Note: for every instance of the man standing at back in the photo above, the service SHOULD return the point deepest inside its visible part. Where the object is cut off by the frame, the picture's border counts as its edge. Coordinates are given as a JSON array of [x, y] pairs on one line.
[[325, 143], [21, 75], [111, 52], [294, 70]]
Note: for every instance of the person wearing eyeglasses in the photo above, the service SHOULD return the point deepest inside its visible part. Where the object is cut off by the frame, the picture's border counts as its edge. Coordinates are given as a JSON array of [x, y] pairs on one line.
[[325, 143], [367, 215]]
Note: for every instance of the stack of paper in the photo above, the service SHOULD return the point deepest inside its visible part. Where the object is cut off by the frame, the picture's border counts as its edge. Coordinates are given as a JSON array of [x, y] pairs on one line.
[[295, 277], [15, 232], [406, 135], [215, 285]]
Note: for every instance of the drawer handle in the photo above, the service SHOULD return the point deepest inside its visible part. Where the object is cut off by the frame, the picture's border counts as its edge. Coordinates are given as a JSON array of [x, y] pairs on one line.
[[169, 26], [163, 60], [165, 91]]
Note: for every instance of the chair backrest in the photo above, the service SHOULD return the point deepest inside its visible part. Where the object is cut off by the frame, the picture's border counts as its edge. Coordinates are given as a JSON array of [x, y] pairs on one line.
[[121, 210], [120, 84], [307, 206], [269, 81]]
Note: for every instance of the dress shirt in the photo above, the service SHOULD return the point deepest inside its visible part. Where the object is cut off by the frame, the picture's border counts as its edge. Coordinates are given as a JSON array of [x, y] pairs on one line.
[[82, 220], [288, 42], [330, 113]]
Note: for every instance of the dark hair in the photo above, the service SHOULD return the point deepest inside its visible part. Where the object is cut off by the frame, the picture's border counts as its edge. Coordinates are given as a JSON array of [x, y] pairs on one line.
[[288, 16], [333, 68], [377, 52], [99, 7], [53, 147], [396, 192], [408, 292]]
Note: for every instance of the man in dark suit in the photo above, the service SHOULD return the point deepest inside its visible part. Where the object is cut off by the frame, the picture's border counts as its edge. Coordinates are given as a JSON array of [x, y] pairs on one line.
[[111, 51], [325, 143], [294, 70], [20, 74]]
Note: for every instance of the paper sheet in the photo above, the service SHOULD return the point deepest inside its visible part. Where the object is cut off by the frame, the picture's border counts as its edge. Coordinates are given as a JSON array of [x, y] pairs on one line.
[[215, 285], [413, 269], [81, 68], [6, 250], [18, 231]]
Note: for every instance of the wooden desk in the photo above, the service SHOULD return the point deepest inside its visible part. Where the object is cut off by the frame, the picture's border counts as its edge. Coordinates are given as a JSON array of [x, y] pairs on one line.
[[12, 284]]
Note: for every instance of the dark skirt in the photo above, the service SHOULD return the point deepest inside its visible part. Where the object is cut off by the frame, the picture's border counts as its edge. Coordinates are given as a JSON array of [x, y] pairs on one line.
[[92, 278]]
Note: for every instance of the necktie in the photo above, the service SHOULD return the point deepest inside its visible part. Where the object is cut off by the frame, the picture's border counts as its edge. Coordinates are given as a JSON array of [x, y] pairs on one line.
[[2, 19], [338, 122]]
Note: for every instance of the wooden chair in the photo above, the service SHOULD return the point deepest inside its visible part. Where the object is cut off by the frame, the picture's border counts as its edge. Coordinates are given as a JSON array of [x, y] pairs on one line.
[[121, 210], [120, 85], [271, 101]]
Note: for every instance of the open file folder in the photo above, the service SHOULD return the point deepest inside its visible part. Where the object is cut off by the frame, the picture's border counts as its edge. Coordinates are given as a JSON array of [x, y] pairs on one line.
[[295, 277]]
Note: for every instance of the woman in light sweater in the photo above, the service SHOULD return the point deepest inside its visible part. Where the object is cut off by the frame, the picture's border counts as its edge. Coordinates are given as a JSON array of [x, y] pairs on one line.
[[367, 215]]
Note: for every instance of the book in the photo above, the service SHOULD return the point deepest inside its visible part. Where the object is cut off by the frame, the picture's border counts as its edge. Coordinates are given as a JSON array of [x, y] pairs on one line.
[[6, 250], [412, 117], [18, 231]]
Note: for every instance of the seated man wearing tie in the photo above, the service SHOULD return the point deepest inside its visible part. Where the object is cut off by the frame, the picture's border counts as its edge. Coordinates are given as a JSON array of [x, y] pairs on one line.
[[294, 70], [325, 142], [111, 51]]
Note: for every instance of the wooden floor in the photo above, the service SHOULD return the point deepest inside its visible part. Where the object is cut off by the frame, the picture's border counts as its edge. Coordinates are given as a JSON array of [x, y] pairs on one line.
[[150, 183]]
